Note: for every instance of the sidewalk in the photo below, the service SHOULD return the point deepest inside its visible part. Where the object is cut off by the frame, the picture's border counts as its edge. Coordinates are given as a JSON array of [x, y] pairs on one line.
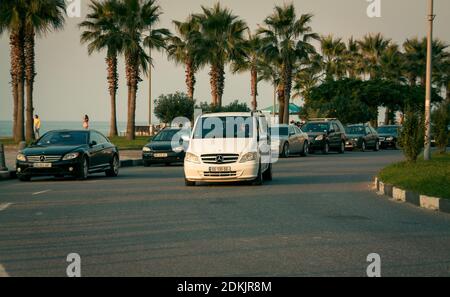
[[127, 155]]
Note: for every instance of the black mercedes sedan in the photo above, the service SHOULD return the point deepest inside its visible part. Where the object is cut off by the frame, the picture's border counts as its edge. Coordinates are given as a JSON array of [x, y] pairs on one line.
[[389, 135], [167, 147], [68, 153], [362, 136]]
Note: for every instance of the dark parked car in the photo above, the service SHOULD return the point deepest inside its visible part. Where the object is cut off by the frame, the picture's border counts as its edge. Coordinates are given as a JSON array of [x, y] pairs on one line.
[[68, 152], [362, 136], [389, 136], [325, 135], [289, 139], [168, 146]]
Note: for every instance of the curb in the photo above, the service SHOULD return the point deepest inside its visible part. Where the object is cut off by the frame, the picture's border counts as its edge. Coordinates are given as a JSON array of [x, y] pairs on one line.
[[5, 175], [400, 195]]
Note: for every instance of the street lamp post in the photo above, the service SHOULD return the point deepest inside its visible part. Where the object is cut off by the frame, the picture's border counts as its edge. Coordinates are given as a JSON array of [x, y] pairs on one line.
[[427, 151]]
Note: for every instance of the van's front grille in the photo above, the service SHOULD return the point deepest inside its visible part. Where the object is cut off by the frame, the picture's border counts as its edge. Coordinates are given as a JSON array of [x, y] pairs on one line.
[[43, 159], [220, 158], [219, 174]]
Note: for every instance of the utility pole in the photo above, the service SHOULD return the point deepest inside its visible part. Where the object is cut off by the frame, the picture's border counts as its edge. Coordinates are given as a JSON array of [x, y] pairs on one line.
[[427, 151]]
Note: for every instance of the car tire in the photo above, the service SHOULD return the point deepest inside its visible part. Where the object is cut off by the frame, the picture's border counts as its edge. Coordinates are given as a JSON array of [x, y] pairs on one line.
[[326, 148], [24, 178], [305, 150], [377, 146], [267, 175], [114, 170], [363, 146], [189, 183], [342, 148], [84, 169], [285, 153], [147, 163], [258, 181]]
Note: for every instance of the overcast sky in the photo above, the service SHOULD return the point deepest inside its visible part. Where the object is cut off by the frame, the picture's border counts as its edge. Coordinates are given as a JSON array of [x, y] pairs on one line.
[[70, 83]]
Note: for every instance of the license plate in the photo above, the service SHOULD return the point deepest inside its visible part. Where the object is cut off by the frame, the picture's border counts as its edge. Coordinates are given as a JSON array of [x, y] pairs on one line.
[[42, 165], [219, 169], [160, 155]]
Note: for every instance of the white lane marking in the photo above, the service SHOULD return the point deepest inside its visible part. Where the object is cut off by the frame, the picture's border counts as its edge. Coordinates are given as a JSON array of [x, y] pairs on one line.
[[3, 272], [4, 206], [41, 192]]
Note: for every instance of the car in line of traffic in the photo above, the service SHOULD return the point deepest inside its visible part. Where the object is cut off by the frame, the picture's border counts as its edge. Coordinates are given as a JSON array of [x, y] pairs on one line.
[[75, 153]]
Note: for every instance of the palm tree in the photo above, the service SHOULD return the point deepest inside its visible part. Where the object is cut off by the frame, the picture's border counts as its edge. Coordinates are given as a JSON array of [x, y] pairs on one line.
[[372, 47], [11, 20], [416, 59], [250, 62], [333, 52], [221, 41], [308, 77], [182, 48], [353, 59], [286, 39], [41, 16], [103, 33], [135, 18], [391, 67]]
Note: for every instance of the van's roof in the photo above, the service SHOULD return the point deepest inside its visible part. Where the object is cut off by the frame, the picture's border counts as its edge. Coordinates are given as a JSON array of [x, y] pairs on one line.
[[227, 114]]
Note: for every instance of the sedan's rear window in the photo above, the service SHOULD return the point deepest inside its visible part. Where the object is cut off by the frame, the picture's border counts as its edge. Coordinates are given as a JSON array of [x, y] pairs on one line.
[[64, 138]]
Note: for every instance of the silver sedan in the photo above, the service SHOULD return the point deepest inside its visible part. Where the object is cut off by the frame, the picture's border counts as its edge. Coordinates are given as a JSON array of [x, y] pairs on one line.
[[289, 140]]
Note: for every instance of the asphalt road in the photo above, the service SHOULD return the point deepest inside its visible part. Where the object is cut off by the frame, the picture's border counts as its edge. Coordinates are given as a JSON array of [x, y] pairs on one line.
[[318, 217]]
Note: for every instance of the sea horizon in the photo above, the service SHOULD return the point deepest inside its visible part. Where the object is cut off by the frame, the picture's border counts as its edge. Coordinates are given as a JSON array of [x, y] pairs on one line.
[[101, 126]]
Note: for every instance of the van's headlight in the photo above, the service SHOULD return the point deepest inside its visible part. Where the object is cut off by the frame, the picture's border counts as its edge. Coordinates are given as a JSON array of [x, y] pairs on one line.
[[192, 158], [319, 138], [21, 157], [249, 157], [71, 156], [146, 149], [178, 149]]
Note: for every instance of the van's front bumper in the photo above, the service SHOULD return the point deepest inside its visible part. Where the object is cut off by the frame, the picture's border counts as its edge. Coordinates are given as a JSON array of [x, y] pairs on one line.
[[232, 172]]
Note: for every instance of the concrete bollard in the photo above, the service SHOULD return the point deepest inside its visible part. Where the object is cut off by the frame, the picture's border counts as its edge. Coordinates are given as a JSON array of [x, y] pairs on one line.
[[2, 158]]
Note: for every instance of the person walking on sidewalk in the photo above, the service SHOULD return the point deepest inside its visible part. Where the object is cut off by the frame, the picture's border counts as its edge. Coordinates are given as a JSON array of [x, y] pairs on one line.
[[86, 122], [37, 126]]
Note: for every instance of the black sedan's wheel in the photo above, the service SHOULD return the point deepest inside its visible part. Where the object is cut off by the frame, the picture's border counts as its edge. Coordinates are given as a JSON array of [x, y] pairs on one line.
[[342, 148], [84, 169], [326, 148], [363, 146], [377, 146], [147, 163], [305, 150], [114, 170]]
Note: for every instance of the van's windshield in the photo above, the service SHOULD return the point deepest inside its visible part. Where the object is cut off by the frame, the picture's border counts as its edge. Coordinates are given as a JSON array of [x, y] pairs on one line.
[[224, 127]]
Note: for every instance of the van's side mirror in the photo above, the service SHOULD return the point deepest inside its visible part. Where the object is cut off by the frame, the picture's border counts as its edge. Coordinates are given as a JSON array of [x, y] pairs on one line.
[[93, 143]]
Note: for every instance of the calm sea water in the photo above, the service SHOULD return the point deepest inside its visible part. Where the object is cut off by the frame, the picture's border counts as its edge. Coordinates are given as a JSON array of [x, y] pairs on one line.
[[6, 126]]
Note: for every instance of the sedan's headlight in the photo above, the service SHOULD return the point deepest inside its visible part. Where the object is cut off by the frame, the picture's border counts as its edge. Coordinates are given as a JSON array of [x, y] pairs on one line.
[[319, 138], [355, 139], [146, 149], [71, 156], [249, 157], [21, 157], [192, 158], [178, 149], [390, 138]]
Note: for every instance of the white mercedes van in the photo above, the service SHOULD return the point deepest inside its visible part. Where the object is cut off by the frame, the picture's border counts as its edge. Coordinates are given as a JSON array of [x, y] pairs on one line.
[[229, 147]]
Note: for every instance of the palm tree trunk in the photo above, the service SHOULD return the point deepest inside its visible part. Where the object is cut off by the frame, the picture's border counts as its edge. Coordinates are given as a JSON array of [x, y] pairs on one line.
[[190, 78], [213, 80], [17, 67], [29, 81], [132, 73], [14, 82], [281, 101], [287, 92], [387, 116], [220, 84], [254, 86], [113, 86]]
